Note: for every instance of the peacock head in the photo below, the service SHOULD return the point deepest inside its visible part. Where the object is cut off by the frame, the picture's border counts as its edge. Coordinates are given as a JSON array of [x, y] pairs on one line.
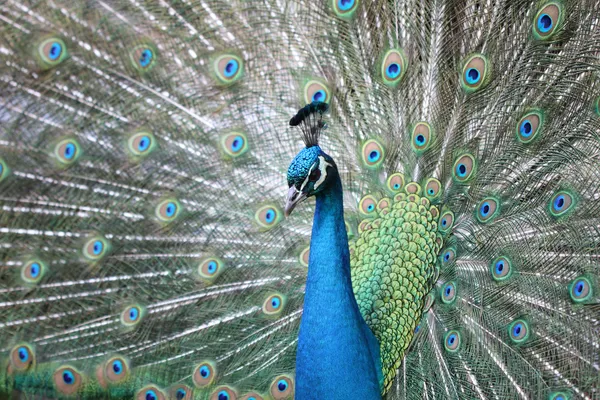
[[311, 170]]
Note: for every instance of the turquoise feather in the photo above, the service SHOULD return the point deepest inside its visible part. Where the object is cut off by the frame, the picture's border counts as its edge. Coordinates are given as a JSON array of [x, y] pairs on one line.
[[144, 157]]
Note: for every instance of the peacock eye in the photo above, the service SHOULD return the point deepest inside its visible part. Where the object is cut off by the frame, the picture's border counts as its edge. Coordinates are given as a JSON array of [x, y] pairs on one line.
[[315, 175]]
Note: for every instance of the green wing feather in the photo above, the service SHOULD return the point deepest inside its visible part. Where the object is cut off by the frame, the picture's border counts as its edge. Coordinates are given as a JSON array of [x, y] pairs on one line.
[[143, 150]]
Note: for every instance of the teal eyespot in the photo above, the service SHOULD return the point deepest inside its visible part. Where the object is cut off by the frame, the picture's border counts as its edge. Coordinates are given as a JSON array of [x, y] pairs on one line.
[[395, 182], [475, 73], [547, 20], [51, 52], [223, 393], [168, 210], [529, 126], [143, 57], [95, 248], [67, 151], [421, 137], [452, 341], [316, 91], [304, 256], [464, 168], [501, 269], [141, 144], [518, 331], [267, 217], [561, 204], [204, 374], [4, 170], [448, 255], [433, 189], [22, 357], [210, 268], [116, 369], [150, 392], [234, 144], [367, 206], [67, 380], [32, 271], [487, 209], [180, 392], [559, 396], [580, 290], [345, 8], [372, 154], [132, 315], [446, 221], [448, 293], [273, 304], [393, 67], [282, 387], [228, 68]]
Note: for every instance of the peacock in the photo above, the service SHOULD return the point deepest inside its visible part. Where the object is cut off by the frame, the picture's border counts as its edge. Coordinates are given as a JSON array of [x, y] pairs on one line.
[[277, 199]]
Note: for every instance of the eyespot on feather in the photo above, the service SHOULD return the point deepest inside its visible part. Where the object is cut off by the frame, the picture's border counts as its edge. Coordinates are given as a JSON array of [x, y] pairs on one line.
[[132, 315], [234, 144], [581, 290], [143, 57], [372, 153], [67, 151], [529, 126], [223, 393], [67, 380], [448, 293], [519, 331], [228, 68], [368, 206], [282, 387], [412, 188], [421, 137], [268, 216], [304, 255], [395, 182], [433, 189], [180, 392], [475, 73], [204, 374], [393, 67], [150, 392], [116, 369], [345, 8], [95, 248], [51, 52], [141, 144], [33, 271], [316, 91], [168, 210], [464, 168], [446, 221], [487, 210], [561, 204], [22, 357], [501, 269], [429, 300], [548, 20], [4, 170], [448, 255], [559, 396], [274, 304], [210, 268], [452, 341]]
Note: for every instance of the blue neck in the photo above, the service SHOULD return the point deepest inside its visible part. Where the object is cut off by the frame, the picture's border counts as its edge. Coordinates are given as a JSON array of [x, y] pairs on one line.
[[338, 356]]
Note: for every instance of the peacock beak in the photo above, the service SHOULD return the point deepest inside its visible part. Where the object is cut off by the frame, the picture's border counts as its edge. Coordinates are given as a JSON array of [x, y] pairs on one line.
[[294, 198]]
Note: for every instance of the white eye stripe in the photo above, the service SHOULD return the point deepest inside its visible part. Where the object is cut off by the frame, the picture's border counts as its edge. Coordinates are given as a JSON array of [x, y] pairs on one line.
[[323, 168]]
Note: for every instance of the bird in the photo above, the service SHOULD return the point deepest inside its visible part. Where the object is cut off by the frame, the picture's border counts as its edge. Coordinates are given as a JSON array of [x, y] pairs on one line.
[[276, 199]]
